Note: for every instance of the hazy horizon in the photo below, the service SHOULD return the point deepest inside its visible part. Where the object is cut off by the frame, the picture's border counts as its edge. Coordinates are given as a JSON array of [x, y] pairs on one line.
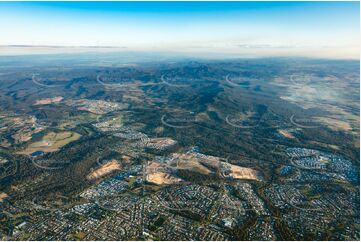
[[226, 29]]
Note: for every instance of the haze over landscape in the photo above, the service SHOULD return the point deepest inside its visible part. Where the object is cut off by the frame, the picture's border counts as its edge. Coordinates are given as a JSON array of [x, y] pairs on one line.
[[179, 121], [207, 29]]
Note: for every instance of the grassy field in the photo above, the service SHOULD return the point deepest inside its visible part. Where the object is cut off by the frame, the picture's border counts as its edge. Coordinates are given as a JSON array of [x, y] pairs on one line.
[[51, 142]]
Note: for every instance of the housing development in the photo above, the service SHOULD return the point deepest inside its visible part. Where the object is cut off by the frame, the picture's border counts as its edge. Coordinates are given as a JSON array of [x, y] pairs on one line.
[[179, 150]]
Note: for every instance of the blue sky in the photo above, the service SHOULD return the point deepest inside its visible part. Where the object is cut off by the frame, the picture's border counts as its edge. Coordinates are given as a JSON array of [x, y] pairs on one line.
[[320, 29]]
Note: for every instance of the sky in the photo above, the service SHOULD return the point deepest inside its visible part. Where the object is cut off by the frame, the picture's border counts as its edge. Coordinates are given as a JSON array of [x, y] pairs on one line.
[[237, 29]]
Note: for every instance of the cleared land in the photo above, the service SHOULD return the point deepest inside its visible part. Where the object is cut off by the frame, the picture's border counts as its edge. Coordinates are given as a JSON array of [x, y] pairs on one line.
[[161, 143], [105, 169], [3, 196], [160, 174], [165, 173], [48, 100], [162, 178], [286, 134], [190, 162], [238, 172]]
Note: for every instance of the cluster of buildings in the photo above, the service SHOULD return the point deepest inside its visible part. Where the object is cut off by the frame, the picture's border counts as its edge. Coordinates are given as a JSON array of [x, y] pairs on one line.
[[161, 143], [329, 166], [130, 134], [120, 208], [246, 191], [301, 152], [184, 212], [96, 106], [111, 125], [262, 230], [310, 210], [310, 163], [105, 188], [286, 196], [191, 198]]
